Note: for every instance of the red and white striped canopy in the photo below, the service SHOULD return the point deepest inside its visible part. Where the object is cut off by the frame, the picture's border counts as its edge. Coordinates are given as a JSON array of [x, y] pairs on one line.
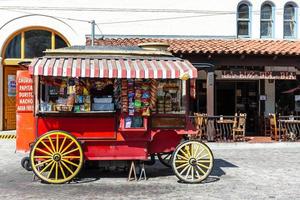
[[157, 68]]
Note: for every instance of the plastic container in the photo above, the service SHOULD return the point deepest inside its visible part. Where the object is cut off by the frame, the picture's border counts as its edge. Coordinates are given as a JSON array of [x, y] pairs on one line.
[[103, 107], [103, 100]]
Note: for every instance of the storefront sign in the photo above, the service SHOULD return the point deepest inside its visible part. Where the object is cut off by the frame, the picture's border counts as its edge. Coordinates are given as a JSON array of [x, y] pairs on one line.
[[280, 75], [24, 94], [263, 97], [11, 85]]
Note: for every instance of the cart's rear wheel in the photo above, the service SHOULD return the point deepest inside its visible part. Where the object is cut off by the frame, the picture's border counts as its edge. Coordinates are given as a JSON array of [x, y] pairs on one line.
[[165, 158], [56, 157], [192, 161]]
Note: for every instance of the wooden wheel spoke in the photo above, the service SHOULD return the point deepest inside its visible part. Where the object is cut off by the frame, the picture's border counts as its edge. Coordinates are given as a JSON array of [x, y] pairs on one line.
[[181, 161], [188, 172], [44, 169], [62, 144], [49, 149], [71, 151], [192, 173], [197, 148], [181, 166], [71, 157], [199, 154], [204, 166], [183, 158], [50, 171], [57, 142], [56, 170], [188, 150], [184, 169], [41, 157], [197, 173], [203, 161], [43, 151], [70, 162], [67, 147], [185, 155], [62, 170], [66, 166], [200, 169], [50, 140], [192, 150], [44, 162], [203, 156]]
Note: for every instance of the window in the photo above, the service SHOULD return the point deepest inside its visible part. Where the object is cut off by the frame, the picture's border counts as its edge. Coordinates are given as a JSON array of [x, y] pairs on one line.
[[243, 20], [32, 43], [289, 21], [13, 50], [36, 42], [266, 21]]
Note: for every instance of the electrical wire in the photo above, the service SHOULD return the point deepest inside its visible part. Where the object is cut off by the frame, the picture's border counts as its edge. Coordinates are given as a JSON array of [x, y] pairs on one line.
[[156, 19], [204, 13]]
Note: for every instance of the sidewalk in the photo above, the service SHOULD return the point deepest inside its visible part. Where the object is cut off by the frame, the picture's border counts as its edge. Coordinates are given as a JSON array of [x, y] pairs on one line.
[[10, 132]]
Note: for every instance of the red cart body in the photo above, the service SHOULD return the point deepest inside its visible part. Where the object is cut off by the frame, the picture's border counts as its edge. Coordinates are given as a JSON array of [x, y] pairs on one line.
[[100, 135]]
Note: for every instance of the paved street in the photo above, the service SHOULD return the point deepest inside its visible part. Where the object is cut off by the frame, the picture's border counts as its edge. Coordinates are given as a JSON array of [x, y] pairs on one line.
[[242, 171]]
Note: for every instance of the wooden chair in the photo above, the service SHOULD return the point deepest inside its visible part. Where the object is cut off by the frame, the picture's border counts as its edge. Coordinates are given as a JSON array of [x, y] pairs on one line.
[[273, 126], [239, 127], [274, 130], [200, 125]]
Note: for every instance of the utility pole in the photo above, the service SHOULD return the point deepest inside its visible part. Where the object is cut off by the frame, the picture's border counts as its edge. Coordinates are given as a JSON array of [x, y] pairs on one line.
[[93, 31]]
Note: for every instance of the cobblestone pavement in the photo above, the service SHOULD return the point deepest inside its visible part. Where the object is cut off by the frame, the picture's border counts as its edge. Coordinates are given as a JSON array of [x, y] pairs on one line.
[[242, 171]]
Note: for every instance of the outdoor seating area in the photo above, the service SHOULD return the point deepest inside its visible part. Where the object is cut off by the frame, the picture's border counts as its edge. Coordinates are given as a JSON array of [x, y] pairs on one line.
[[233, 128], [220, 128]]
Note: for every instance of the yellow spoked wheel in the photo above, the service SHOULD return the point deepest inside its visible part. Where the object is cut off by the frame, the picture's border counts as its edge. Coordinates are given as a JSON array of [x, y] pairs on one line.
[[56, 157], [192, 161]]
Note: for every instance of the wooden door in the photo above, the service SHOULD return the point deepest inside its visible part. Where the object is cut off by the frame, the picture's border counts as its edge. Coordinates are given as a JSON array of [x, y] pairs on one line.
[[10, 98]]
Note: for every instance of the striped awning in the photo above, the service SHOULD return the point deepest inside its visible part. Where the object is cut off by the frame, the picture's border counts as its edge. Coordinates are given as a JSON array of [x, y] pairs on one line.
[[157, 68]]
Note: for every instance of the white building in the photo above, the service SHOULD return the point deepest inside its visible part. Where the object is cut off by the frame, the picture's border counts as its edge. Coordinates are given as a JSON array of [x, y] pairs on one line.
[[68, 22]]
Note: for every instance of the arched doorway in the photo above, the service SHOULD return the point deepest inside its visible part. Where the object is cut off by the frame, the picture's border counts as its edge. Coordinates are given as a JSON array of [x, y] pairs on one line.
[[23, 46]]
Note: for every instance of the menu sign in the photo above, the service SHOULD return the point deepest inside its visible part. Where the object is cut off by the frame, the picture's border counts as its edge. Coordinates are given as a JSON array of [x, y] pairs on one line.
[[254, 75], [24, 92], [11, 85]]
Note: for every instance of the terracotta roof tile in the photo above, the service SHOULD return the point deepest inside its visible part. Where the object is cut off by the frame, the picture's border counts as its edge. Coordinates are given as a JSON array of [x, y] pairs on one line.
[[213, 46]]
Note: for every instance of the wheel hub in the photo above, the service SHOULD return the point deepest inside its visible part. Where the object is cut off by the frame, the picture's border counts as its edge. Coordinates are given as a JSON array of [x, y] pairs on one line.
[[56, 157], [193, 161]]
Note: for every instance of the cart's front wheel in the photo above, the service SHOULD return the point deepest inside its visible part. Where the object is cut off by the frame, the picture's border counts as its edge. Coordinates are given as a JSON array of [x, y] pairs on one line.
[[192, 161], [56, 157]]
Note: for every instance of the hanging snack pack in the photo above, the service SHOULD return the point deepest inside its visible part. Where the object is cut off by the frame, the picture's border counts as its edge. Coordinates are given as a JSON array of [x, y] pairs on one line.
[[124, 97]]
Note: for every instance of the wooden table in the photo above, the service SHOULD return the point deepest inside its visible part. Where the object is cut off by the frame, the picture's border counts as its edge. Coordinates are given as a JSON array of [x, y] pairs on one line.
[[225, 128], [290, 126]]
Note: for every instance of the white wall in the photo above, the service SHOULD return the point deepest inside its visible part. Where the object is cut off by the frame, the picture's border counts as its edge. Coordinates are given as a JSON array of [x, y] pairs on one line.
[[199, 24]]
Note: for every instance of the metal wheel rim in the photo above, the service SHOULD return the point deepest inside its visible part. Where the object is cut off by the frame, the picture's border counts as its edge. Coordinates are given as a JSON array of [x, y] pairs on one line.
[[192, 161], [56, 157]]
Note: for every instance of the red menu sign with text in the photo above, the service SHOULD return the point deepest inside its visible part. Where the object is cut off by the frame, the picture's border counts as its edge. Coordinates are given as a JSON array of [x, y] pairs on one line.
[[24, 96]]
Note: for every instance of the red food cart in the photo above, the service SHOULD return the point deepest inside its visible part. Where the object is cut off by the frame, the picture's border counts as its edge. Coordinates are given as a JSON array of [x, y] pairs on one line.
[[108, 103]]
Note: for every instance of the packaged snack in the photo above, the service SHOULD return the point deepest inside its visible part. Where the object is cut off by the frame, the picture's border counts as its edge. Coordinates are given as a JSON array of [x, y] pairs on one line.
[[77, 108], [137, 103], [128, 122], [146, 112]]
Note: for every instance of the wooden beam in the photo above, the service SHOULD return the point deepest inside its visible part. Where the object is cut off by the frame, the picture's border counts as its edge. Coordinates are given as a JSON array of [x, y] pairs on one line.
[[249, 60]]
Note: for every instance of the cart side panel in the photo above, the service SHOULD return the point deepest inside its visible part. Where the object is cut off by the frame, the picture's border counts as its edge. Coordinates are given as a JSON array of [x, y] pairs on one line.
[[115, 150], [80, 127], [24, 107], [164, 141]]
